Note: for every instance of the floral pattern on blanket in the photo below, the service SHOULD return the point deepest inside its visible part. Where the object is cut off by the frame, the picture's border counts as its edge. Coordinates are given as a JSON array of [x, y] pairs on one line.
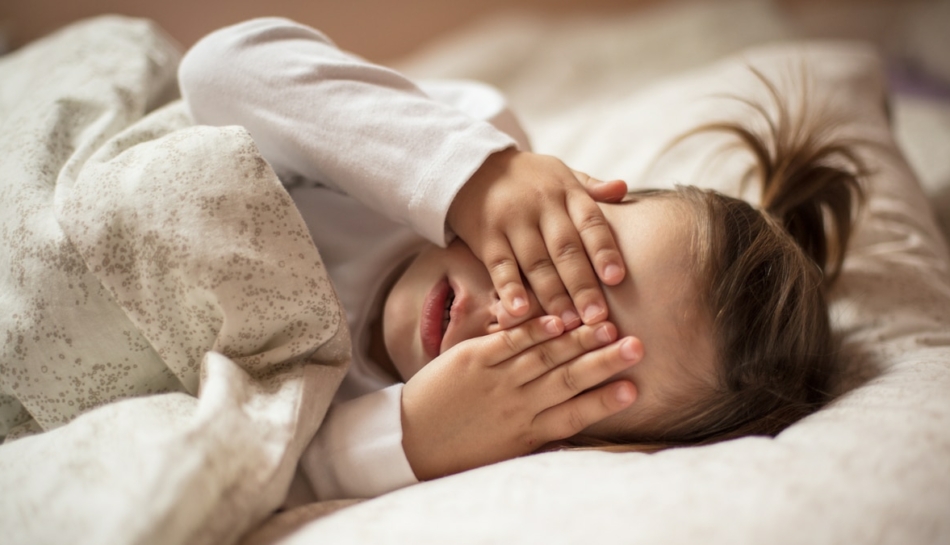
[[135, 243], [141, 256]]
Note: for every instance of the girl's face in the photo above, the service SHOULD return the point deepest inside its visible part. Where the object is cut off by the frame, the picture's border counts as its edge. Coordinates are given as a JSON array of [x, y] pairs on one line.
[[446, 296]]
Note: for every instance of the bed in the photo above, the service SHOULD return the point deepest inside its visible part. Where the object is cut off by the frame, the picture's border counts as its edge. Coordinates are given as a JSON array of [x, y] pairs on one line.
[[106, 181]]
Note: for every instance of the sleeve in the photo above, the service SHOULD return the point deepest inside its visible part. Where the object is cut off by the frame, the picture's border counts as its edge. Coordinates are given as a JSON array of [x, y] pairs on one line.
[[357, 452], [326, 115]]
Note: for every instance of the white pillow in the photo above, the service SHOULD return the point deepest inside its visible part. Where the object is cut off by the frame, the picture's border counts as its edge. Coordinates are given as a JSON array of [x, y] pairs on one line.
[[874, 466]]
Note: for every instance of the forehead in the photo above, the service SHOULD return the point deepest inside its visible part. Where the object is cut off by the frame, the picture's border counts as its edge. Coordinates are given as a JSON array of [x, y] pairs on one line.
[[659, 218], [658, 302], [655, 237]]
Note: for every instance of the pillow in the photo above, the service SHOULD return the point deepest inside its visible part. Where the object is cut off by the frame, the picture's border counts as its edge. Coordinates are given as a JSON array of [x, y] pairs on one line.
[[873, 466]]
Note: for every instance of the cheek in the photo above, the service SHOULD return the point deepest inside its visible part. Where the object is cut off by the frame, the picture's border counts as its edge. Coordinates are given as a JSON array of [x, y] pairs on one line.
[[459, 257], [639, 419], [401, 313], [403, 307], [465, 269], [634, 424], [397, 324]]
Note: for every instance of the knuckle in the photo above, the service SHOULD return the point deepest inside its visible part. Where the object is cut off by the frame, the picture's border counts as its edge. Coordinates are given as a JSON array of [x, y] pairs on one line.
[[500, 265], [557, 301], [546, 360], [586, 338], [568, 249], [584, 291], [569, 379], [574, 423], [510, 342], [539, 265], [607, 252], [591, 220], [585, 288]]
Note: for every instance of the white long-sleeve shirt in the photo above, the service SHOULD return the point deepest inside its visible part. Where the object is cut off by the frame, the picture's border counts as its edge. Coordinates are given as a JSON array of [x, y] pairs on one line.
[[373, 162]]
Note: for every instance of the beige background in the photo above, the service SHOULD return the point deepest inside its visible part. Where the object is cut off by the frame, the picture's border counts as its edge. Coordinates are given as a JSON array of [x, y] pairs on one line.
[[380, 30]]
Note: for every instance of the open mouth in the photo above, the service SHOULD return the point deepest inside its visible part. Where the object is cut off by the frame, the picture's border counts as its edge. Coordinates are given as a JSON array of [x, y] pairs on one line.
[[436, 316], [447, 311]]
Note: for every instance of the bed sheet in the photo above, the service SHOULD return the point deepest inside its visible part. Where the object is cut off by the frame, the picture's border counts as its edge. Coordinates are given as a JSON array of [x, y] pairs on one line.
[[605, 95]]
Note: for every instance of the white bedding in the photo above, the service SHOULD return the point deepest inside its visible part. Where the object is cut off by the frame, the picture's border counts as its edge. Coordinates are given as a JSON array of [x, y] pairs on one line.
[[874, 467], [142, 255]]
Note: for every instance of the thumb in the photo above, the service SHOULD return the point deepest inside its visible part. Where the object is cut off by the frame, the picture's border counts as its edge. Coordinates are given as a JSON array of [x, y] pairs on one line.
[[611, 191]]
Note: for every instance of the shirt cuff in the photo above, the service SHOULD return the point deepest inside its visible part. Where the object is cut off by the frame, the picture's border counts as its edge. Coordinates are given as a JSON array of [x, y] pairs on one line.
[[357, 452], [457, 160]]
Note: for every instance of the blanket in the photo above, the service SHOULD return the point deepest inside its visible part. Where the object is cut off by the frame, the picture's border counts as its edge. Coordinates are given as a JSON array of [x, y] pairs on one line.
[[873, 467], [161, 273]]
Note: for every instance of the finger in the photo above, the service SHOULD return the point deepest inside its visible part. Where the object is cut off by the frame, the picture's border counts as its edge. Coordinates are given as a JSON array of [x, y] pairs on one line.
[[575, 415], [543, 276], [599, 242], [610, 191], [584, 372], [548, 355], [601, 191], [508, 343], [566, 247], [502, 266]]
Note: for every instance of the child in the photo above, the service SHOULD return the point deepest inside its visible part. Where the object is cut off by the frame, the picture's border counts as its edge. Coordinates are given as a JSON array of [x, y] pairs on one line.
[[730, 307]]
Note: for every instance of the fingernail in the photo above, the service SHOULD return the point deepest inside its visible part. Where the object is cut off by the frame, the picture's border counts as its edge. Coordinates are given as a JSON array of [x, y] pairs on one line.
[[612, 273], [629, 350], [603, 334], [570, 318], [551, 326], [623, 395], [591, 312], [518, 303]]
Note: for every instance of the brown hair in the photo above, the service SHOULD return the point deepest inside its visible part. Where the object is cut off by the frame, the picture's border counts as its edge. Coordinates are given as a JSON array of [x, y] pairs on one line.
[[763, 274]]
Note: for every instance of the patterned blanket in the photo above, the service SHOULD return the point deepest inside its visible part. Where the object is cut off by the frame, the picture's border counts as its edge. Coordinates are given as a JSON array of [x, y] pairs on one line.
[[159, 263]]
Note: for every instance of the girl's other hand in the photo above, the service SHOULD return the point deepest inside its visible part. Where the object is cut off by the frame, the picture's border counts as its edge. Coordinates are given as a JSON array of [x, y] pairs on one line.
[[530, 213], [504, 395]]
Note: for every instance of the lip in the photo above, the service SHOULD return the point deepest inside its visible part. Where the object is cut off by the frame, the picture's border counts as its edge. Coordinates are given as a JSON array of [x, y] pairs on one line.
[[430, 323]]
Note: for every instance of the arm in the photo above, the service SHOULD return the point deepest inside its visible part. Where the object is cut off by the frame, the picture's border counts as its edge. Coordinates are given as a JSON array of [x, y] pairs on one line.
[[326, 115]]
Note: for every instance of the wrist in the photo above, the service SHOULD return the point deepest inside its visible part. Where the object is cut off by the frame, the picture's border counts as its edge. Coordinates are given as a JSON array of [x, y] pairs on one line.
[[418, 451], [472, 193]]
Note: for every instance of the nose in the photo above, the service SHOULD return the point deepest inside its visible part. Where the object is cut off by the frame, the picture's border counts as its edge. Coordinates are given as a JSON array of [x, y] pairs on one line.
[[502, 319]]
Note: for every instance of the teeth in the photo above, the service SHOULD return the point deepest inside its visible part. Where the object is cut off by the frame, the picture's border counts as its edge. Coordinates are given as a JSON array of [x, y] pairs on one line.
[[447, 311]]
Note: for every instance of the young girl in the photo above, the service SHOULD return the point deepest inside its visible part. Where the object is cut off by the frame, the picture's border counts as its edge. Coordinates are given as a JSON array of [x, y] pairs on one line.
[[727, 298]]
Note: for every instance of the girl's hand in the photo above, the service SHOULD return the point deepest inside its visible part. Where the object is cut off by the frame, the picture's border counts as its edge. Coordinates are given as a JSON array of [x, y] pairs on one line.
[[527, 212], [504, 395]]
